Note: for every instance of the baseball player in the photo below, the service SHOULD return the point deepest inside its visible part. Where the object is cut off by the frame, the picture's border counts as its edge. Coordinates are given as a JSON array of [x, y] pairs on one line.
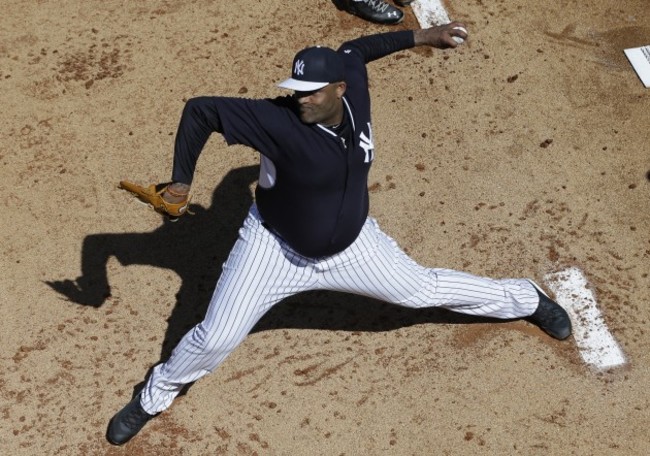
[[309, 227]]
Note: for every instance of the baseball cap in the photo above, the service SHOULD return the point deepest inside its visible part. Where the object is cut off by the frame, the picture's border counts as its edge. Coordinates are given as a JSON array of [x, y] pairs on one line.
[[314, 68]]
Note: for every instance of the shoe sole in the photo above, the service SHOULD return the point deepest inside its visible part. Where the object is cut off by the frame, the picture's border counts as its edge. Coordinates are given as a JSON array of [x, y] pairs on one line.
[[377, 22], [538, 288]]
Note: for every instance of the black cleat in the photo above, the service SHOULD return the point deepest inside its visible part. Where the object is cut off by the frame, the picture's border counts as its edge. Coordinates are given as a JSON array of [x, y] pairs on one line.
[[372, 10], [127, 422], [550, 316]]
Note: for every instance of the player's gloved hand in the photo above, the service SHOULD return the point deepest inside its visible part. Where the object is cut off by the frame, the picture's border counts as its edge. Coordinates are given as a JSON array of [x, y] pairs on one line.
[[161, 197]]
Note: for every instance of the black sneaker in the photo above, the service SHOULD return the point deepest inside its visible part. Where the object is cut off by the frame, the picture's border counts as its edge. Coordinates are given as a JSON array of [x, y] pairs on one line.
[[550, 316], [127, 422], [372, 10], [404, 2]]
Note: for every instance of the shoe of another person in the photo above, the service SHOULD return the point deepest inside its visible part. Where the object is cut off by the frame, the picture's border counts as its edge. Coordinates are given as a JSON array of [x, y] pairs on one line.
[[372, 10], [550, 316], [404, 2], [127, 422]]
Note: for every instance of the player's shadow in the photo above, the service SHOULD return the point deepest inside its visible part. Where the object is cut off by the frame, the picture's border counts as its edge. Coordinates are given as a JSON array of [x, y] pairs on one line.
[[196, 246], [333, 311]]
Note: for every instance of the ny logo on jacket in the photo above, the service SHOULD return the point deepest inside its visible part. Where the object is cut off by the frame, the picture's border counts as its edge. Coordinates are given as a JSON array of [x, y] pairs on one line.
[[367, 144]]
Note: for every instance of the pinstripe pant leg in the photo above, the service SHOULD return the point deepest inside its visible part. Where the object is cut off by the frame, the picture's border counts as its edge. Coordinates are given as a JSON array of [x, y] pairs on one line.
[[375, 266], [258, 273]]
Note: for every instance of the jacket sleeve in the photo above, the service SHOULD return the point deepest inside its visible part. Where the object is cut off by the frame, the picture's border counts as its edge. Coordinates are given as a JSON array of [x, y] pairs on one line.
[[374, 47], [253, 123]]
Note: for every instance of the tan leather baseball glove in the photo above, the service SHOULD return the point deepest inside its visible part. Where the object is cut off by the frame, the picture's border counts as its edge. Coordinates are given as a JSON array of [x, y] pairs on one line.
[[153, 195]]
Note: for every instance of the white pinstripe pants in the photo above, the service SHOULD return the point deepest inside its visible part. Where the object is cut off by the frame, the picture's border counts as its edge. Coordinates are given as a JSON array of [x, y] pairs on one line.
[[262, 270]]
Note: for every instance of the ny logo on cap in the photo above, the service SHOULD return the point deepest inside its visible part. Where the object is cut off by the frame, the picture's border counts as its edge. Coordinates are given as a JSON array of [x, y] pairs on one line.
[[299, 68]]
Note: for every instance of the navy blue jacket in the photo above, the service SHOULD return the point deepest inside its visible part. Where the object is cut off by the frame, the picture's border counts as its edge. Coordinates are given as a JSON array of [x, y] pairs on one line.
[[319, 201]]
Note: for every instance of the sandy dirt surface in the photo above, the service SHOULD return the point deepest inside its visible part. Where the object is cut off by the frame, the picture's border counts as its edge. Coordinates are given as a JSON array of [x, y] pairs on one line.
[[523, 152]]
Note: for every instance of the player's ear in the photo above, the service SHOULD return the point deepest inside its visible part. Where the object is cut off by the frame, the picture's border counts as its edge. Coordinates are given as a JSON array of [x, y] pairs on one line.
[[340, 88]]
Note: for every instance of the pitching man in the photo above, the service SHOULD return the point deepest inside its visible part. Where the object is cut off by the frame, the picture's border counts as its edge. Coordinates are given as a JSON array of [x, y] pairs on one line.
[[309, 227]]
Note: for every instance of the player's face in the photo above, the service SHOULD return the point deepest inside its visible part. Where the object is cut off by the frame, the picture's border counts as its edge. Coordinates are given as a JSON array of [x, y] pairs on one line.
[[322, 106]]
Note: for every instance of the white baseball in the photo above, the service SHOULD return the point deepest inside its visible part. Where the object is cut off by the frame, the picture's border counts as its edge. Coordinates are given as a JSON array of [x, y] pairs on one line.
[[458, 39]]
